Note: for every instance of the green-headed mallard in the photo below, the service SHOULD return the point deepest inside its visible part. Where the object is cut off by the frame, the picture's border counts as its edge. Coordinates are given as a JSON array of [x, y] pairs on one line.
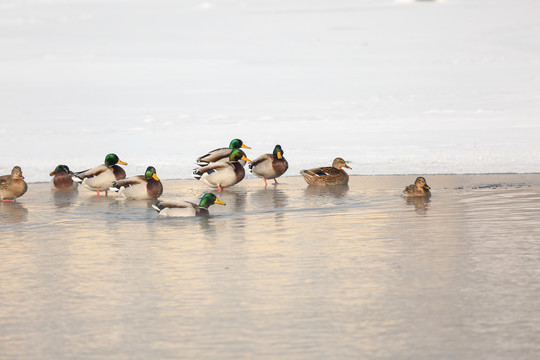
[[333, 175], [63, 179], [270, 166], [222, 154], [223, 174], [187, 208], [103, 176], [419, 189], [12, 186], [140, 187]]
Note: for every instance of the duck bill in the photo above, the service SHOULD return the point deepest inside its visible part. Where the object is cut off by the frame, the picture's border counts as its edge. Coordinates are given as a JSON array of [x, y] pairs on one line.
[[155, 177], [52, 173], [122, 162], [219, 202], [426, 187], [245, 158], [348, 167], [245, 146], [279, 156]]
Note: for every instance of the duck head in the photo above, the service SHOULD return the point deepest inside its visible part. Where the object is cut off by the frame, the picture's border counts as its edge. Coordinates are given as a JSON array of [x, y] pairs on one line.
[[150, 173], [210, 199], [238, 154], [112, 159], [339, 163], [237, 144], [60, 169], [278, 152]]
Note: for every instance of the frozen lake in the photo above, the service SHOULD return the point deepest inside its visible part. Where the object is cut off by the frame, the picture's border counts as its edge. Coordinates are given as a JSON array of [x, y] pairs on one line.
[[396, 87], [290, 272]]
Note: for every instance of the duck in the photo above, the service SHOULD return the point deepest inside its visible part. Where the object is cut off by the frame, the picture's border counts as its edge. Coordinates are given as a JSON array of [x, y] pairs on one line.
[[222, 154], [102, 177], [223, 174], [63, 179], [12, 186], [140, 187], [420, 188], [187, 208], [331, 175], [270, 166]]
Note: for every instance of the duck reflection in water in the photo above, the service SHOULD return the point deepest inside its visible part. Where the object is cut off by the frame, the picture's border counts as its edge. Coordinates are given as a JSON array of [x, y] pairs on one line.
[[337, 191], [64, 198], [421, 204], [12, 212]]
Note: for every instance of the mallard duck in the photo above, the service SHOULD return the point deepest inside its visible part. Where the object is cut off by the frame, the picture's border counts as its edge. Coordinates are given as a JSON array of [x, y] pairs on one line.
[[103, 176], [63, 179], [269, 166], [12, 186], [333, 175], [140, 187], [187, 208], [223, 174], [222, 154], [419, 189]]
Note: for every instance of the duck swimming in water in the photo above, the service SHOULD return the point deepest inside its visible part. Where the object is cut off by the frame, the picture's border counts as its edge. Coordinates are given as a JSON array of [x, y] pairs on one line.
[[330, 175], [140, 187], [269, 166], [12, 186], [102, 177], [187, 208], [419, 189], [63, 179]]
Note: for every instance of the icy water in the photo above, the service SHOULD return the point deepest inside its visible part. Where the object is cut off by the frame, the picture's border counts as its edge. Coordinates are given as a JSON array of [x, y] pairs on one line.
[[288, 272]]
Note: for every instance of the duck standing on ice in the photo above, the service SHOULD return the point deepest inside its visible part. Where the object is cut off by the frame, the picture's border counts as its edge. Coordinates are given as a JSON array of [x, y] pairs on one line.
[[223, 174], [270, 166], [12, 186], [102, 177]]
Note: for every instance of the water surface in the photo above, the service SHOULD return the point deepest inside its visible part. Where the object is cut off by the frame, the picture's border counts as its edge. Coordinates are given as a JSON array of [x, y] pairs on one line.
[[290, 272]]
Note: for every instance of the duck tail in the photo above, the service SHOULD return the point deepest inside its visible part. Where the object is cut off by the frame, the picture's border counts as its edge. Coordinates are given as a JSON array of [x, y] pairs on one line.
[[197, 174], [202, 163], [156, 208]]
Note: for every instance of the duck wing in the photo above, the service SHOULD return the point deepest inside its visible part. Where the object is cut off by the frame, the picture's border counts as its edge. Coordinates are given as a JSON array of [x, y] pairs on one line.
[[213, 156], [100, 169], [134, 180], [261, 159]]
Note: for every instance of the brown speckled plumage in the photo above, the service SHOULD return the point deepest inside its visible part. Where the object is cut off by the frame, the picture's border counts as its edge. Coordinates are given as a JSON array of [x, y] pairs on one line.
[[12, 186], [325, 176], [419, 189]]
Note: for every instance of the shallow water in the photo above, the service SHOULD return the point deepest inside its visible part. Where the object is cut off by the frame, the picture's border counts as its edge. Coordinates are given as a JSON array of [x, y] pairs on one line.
[[290, 272]]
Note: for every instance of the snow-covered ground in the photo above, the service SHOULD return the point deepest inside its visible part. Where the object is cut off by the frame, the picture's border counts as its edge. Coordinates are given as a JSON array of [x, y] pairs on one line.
[[396, 87]]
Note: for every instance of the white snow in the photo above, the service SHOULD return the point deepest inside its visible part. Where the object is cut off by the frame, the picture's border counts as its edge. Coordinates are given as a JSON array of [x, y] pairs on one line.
[[396, 87]]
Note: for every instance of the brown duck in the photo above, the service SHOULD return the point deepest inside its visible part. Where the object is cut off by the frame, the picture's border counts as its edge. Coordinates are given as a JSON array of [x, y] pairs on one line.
[[419, 189], [331, 175], [12, 186]]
